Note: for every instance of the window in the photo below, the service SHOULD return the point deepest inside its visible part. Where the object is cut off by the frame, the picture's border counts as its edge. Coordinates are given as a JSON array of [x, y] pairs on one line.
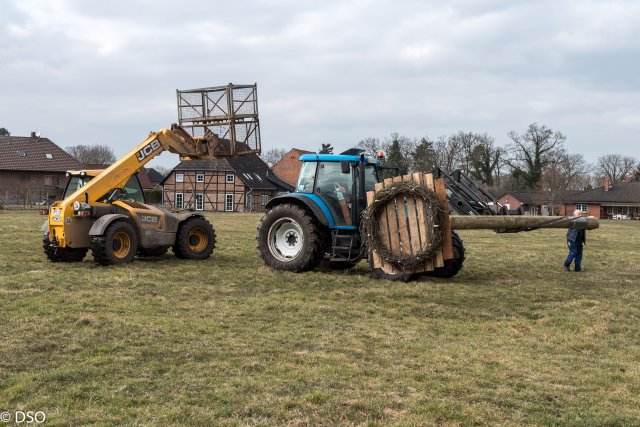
[[21, 153], [199, 177], [582, 207], [246, 175], [228, 202], [230, 178], [199, 201], [264, 199], [179, 177], [248, 201], [307, 177], [48, 156], [51, 180], [257, 176], [179, 200]]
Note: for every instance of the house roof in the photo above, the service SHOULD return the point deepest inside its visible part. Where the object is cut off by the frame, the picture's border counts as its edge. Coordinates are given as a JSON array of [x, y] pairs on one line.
[[620, 192], [154, 175], [18, 153], [255, 173], [535, 198], [250, 168]]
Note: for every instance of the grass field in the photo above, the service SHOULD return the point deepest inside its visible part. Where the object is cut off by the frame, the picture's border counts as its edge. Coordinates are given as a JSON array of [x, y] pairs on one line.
[[512, 340]]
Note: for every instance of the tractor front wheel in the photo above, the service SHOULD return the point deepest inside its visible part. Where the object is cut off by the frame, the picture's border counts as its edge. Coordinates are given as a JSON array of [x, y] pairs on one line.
[[289, 239], [451, 266], [117, 245]]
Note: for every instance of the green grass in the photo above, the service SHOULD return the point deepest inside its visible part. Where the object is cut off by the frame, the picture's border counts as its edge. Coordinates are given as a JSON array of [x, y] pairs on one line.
[[512, 340]]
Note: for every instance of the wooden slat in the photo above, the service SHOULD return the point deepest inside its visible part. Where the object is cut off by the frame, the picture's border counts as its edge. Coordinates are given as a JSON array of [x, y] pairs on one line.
[[412, 218], [447, 248], [374, 255], [392, 222], [427, 181], [421, 221], [403, 225], [415, 205]]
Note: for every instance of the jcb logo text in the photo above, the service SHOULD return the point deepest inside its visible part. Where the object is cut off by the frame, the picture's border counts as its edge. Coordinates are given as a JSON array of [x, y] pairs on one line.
[[147, 150]]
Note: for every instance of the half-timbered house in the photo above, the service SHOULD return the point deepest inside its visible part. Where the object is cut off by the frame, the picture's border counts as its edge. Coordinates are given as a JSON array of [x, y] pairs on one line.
[[233, 184]]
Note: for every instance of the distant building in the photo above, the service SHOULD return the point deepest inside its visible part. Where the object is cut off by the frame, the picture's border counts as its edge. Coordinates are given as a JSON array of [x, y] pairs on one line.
[[232, 184], [537, 203], [611, 201], [33, 170], [288, 168], [154, 176]]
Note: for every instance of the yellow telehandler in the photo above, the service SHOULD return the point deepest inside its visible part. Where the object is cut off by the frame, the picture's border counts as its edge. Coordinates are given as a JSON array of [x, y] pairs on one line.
[[105, 211]]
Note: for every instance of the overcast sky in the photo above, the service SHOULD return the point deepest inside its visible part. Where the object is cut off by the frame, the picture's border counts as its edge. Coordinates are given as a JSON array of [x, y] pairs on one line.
[[105, 72]]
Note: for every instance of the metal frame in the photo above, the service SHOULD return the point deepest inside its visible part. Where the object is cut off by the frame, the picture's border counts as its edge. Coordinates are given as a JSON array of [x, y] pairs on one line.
[[229, 112]]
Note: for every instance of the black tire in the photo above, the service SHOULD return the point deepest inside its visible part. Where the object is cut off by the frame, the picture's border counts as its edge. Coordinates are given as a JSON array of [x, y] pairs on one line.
[[452, 266], [150, 252], [195, 239], [56, 254], [117, 245], [289, 239]]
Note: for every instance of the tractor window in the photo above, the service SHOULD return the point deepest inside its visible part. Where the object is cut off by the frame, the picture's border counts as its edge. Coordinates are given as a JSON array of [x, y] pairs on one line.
[[335, 188], [74, 183], [307, 177], [370, 178]]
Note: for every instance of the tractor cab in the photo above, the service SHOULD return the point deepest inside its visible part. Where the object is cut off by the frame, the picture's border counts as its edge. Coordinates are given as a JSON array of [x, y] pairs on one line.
[[338, 183]]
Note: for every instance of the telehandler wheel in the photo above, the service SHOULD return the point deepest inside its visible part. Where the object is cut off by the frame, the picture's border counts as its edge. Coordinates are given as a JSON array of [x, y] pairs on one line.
[[62, 254], [289, 239], [451, 266], [117, 245], [195, 239]]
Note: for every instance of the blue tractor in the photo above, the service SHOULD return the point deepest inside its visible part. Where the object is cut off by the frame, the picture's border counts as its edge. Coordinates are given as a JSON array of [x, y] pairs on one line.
[[319, 223]]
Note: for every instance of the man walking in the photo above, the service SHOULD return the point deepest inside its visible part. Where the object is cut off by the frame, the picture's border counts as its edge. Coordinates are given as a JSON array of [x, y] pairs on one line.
[[576, 238]]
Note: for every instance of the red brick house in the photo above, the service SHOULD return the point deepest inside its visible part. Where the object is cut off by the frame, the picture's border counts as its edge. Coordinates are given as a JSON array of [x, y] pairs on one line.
[[32, 170], [233, 184], [611, 201], [288, 167], [536, 203]]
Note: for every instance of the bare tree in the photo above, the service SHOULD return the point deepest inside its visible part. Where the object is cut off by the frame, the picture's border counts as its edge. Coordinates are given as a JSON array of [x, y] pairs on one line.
[[447, 150], [485, 159], [99, 154], [273, 155], [615, 167], [565, 172], [162, 170], [531, 152], [370, 145]]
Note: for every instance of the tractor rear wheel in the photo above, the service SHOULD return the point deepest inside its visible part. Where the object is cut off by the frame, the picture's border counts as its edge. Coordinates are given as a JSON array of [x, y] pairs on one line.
[[195, 239], [117, 245], [289, 239], [452, 266], [56, 254]]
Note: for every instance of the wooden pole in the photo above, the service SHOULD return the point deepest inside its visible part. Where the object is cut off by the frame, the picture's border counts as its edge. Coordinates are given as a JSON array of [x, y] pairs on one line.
[[518, 222]]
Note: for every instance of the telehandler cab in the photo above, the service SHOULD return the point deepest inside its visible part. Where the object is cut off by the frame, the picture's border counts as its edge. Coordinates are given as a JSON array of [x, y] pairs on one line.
[[105, 210]]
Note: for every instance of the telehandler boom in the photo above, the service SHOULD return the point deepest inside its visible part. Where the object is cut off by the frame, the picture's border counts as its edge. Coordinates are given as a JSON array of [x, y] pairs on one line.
[[105, 211]]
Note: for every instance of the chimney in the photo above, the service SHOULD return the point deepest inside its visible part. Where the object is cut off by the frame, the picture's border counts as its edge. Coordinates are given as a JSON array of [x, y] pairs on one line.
[[606, 184], [33, 134]]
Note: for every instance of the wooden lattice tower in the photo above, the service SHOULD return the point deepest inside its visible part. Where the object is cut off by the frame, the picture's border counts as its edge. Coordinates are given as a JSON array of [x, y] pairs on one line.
[[228, 114]]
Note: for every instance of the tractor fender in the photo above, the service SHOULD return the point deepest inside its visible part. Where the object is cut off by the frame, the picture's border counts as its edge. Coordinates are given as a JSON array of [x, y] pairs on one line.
[[185, 216], [306, 200], [101, 224]]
